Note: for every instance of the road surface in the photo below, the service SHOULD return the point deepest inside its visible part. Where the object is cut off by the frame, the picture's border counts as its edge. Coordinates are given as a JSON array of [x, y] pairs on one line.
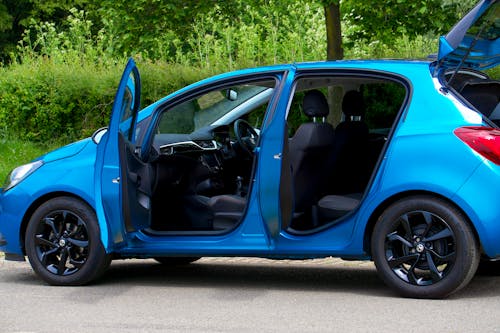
[[239, 295]]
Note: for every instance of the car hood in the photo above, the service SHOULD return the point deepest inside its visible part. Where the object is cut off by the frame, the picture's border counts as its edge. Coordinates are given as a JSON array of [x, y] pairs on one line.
[[66, 151], [473, 42]]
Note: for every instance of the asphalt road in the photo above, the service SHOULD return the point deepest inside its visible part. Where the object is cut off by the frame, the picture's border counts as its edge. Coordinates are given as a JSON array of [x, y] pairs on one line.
[[239, 295]]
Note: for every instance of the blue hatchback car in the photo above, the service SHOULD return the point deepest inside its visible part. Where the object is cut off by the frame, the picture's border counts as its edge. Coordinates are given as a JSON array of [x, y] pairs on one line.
[[392, 161]]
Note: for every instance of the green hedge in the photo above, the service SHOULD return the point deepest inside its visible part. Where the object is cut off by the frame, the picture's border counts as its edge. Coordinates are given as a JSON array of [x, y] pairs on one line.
[[43, 100], [47, 101]]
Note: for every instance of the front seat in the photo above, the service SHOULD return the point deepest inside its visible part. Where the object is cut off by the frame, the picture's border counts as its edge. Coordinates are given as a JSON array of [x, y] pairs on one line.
[[309, 150], [227, 210], [220, 212]]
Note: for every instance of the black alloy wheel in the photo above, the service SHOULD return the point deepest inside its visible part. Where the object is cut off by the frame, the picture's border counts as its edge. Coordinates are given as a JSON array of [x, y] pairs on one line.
[[63, 244], [424, 248]]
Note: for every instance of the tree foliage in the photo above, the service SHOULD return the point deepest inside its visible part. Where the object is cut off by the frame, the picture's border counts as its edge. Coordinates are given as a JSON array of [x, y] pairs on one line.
[[387, 19], [62, 58], [160, 29], [17, 15]]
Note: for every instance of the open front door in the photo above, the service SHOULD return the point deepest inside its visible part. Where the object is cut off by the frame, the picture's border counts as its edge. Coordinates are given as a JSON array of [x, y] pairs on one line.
[[125, 180]]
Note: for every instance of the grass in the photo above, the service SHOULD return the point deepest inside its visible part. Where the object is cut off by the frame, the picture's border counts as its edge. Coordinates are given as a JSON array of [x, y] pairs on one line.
[[15, 152]]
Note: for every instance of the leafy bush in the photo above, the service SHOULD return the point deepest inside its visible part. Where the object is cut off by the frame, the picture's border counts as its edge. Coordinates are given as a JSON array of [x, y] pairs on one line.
[[61, 83], [15, 152], [403, 47], [217, 35], [43, 100]]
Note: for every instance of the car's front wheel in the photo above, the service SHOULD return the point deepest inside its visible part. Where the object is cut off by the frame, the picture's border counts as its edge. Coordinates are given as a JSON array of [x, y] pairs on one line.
[[423, 247], [63, 243]]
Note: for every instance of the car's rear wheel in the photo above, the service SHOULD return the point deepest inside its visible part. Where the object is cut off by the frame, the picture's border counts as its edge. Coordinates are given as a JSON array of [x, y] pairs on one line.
[[63, 243], [176, 261], [423, 247]]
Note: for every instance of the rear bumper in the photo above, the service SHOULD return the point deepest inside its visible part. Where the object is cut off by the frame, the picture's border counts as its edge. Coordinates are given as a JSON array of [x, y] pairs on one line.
[[479, 199]]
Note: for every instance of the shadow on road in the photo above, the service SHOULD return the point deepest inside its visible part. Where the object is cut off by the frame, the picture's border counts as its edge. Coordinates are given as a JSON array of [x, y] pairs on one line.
[[255, 276], [350, 279]]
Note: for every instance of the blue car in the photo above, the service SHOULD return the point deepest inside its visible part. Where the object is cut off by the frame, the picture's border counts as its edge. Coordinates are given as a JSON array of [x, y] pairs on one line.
[[392, 161]]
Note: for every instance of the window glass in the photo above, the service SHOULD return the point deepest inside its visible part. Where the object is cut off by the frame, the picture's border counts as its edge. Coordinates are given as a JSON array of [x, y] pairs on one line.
[[127, 106], [209, 109]]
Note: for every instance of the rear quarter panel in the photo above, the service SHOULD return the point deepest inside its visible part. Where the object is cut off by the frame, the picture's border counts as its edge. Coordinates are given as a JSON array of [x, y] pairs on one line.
[[424, 156]]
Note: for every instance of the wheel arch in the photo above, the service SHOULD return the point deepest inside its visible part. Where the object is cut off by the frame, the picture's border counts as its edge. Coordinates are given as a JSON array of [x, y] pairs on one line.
[[390, 200], [36, 204]]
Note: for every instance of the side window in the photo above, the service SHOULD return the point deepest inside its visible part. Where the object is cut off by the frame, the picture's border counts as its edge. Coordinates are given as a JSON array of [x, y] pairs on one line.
[[376, 103], [382, 103], [218, 107], [128, 107], [126, 112], [338, 128]]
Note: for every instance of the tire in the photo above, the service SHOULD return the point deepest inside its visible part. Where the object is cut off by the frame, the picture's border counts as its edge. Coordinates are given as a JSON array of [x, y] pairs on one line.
[[423, 247], [176, 261], [63, 243]]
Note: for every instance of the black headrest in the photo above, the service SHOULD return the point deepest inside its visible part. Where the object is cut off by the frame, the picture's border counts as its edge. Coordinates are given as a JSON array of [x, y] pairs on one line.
[[353, 104], [315, 104]]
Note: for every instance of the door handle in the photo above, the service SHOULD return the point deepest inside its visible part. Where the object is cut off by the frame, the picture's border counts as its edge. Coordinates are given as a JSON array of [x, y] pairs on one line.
[[116, 180]]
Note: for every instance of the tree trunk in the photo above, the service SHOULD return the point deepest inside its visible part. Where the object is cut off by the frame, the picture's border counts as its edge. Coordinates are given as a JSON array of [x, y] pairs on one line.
[[333, 33], [334, 52]]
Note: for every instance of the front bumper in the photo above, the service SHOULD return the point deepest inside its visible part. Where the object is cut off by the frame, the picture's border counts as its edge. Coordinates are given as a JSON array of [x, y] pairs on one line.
[[3, 241], [10, 223], [10, 256]]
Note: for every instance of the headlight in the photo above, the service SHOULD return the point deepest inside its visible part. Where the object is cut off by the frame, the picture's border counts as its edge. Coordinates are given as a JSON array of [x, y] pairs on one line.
[[19, 173]]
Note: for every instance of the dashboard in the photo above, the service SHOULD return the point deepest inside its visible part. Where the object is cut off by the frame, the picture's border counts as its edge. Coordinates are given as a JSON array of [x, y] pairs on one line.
[[216, 159]]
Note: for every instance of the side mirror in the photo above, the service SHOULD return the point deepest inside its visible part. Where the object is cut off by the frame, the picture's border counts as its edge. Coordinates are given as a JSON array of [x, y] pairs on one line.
[[231, 94]]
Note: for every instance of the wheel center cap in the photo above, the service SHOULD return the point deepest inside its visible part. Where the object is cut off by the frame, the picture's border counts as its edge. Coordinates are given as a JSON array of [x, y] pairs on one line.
[[62, 242], [420, 247]]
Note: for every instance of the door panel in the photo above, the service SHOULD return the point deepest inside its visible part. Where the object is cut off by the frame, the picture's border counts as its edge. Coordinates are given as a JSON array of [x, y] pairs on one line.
[[122, 180], [274, 197], [136, 185]]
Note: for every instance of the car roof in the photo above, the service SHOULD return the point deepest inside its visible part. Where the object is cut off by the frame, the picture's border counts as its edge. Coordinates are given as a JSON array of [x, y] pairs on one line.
[[391, 66]]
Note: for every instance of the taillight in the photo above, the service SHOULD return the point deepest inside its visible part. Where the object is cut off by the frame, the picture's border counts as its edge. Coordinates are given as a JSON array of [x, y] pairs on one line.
[[484, 140]]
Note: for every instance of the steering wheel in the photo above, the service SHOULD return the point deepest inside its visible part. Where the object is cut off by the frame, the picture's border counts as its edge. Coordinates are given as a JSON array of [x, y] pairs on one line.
[[246, 136]]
